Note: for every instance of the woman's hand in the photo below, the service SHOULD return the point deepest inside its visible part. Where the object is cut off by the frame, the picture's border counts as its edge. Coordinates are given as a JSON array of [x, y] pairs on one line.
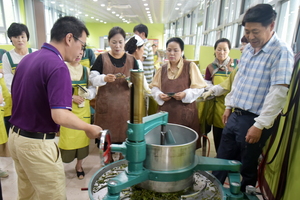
[[109, 78], [179, 96], [164, 97], [77, 99]]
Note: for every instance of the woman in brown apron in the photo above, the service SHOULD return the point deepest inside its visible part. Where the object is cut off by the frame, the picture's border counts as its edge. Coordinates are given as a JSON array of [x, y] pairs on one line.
[[108, 73], [176, 86]]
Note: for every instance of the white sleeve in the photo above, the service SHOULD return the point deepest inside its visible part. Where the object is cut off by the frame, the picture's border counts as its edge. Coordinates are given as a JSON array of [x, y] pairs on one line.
[[155, 92], [7, 72], [96, 78], [273, 104], [92, 90], [228, 97], [192, 94], [209, 84], [218, 90]]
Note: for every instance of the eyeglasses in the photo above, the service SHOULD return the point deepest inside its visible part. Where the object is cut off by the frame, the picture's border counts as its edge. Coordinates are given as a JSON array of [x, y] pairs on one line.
[[83, 47]]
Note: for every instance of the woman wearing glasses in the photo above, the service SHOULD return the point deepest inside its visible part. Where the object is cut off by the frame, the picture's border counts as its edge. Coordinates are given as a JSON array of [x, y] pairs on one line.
[[108, 73]]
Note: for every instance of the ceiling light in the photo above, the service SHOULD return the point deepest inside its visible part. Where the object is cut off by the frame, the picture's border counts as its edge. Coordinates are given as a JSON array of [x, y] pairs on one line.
[[92, 17], [53, 2], [104, 22], [145, 4], [147, 8], [176, 8], [179, 4], [79, 12], [71, 8], [148, 11], [102, 5], [108, 8], [86, 15], [97, 19], [101, 20], [95, 0], [149, 14], [113, 12], [117, 15], [61, 5]]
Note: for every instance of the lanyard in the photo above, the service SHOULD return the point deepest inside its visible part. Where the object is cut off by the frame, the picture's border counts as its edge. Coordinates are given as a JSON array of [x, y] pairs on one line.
[[52, 49]]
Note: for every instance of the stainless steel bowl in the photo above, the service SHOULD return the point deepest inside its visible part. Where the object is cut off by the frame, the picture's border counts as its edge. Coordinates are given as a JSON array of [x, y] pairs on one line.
[[170, 157]]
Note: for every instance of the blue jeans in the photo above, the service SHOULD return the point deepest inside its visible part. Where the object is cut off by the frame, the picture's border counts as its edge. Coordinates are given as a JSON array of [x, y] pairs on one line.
[[234, 147]]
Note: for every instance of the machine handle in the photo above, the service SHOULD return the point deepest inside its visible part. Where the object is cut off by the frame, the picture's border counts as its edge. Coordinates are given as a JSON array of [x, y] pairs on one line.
[[104, 147]]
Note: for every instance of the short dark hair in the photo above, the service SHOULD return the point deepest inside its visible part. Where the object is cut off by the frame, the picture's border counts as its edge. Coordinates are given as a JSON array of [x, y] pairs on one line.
[[261, 13], [65, 25], [116, 30], [141, 28], [244, 39], [222, 40], [177, 40], [130, 45], [16, 29]]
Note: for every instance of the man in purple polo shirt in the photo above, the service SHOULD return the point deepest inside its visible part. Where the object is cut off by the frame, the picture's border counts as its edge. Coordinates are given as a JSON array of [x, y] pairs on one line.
[[42, 100]]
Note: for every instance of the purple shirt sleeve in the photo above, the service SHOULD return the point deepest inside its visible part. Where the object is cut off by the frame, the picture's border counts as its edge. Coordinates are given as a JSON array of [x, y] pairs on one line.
[[60, 89]]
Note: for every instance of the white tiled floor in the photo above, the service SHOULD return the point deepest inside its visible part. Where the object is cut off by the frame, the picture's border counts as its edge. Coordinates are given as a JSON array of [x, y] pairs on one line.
[[90, 165]]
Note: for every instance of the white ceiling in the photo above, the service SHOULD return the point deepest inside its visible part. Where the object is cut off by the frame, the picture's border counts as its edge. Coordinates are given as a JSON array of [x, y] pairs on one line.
[[162, 11]]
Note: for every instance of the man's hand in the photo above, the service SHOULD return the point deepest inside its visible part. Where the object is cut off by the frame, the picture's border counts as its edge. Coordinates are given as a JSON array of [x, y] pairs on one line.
[[226, 115], [94, 132], [253, 135], [207, 94]]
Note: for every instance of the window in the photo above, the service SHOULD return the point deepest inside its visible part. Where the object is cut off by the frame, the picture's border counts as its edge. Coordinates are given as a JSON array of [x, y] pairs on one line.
[[239, 35], [193, 23], [172, 29], [179, 27], [224, 10], [9, 14], [187, 24], [211, 15]]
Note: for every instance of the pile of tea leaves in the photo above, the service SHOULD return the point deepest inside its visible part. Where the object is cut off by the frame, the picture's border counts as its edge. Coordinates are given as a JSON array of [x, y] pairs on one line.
[[143, 194]]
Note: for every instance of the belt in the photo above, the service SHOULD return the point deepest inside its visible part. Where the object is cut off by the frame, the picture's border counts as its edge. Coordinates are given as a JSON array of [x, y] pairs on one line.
[[34, 135], [239, 111]]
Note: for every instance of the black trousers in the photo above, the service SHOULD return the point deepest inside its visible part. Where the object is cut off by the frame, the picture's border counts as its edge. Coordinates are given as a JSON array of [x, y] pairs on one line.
[[234, 147], [217, 132]]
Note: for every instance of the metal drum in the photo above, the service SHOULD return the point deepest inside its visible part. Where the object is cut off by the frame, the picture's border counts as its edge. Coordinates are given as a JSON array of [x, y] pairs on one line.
[[175, 155]]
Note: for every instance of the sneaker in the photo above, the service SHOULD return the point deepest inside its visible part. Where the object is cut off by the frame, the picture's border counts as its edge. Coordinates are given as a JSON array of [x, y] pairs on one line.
[[3, 174]]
